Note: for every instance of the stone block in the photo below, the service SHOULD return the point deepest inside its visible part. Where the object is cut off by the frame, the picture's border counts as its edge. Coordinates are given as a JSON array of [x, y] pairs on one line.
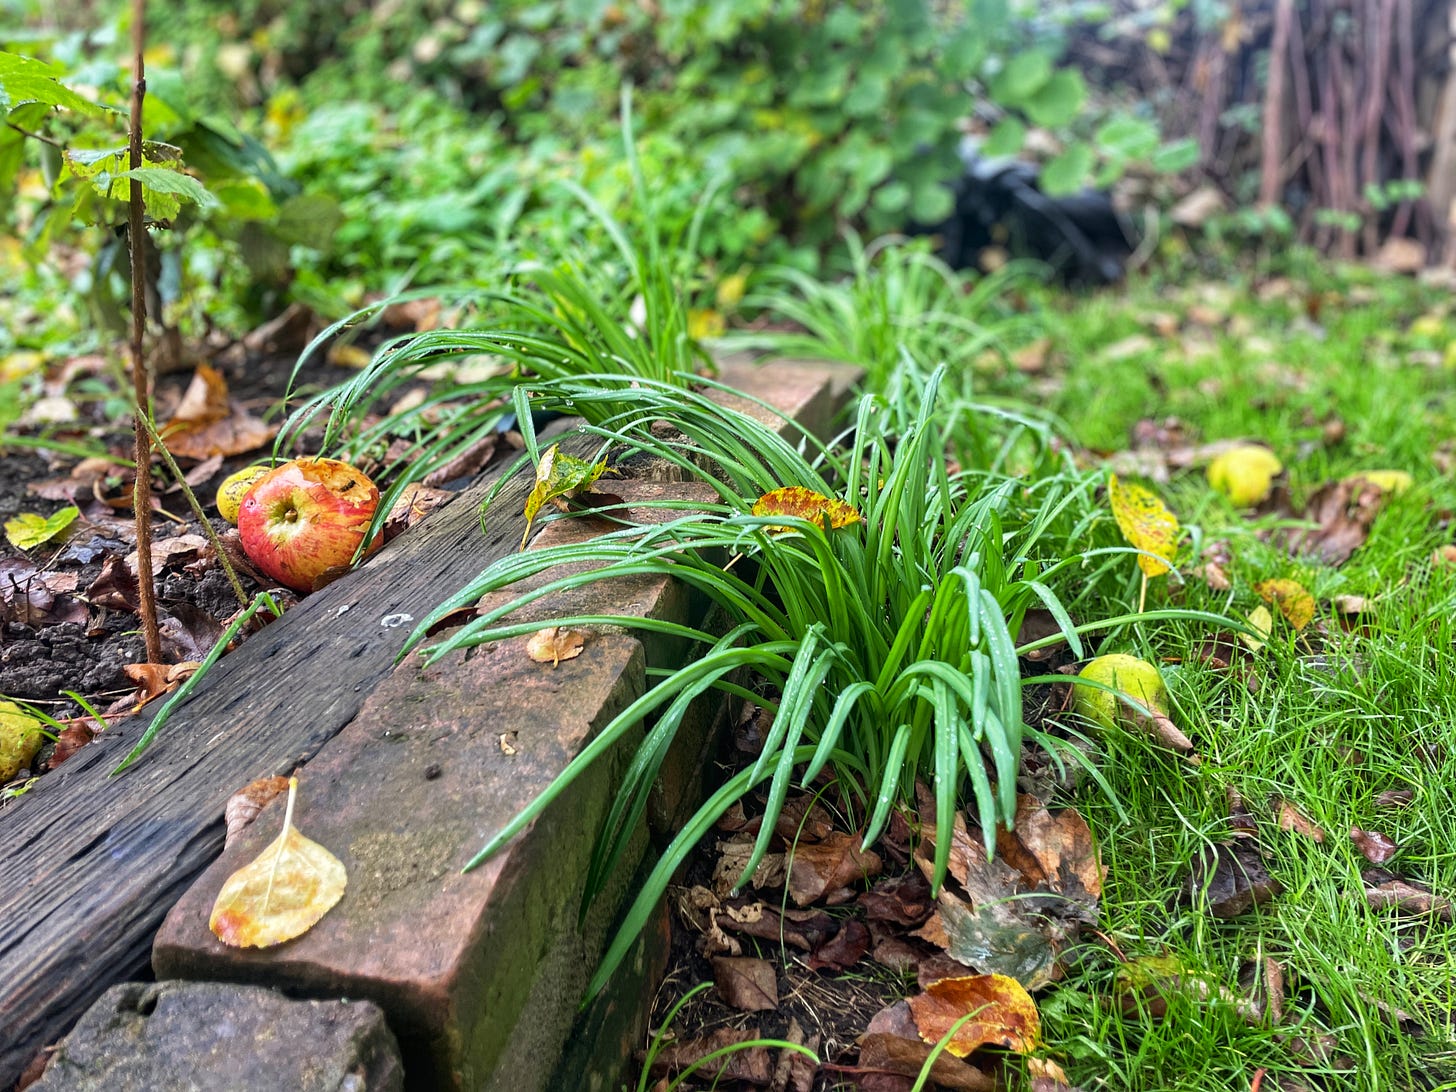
[[212, 1037], [471, 968]]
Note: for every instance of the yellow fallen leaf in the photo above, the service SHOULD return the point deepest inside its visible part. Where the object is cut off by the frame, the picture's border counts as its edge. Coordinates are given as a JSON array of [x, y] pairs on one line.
[[282, 893], [795, 500], [28, 530], [1296, 604], [1146, 523], [1394, 482], [559, 478], [1001, 1013], [1262, 623]]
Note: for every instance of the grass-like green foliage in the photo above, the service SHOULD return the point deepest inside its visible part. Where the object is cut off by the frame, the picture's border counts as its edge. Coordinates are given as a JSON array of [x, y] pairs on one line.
[[621, 319], [1334, 720], [895, 297], [890, 642]]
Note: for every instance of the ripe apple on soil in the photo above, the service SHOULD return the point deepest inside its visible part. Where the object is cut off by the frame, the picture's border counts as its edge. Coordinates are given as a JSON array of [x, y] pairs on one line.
[[305, 518]]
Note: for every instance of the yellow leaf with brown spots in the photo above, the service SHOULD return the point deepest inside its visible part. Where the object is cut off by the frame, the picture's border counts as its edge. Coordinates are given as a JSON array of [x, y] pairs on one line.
[[1146, 523], [1296, 604], [796, 500], [1001, 1013]]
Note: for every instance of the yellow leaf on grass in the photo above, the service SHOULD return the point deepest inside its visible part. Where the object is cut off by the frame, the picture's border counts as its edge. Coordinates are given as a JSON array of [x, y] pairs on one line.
[[795, 500], [1001, 1013], [1261, 622], [28, 530], [1146, 523], [287, 888], [559, 478], [1296, 604]]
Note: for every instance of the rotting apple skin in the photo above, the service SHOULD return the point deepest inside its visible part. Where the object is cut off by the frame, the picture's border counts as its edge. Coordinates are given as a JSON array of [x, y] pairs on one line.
[[306, 517]]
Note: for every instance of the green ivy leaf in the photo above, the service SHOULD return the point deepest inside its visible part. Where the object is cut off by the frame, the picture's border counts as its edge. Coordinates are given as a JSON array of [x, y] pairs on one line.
[[1024, 75], [28, 530], [1006, 138], [1066, 173], [1126, 138], [1059, 100], [1176, 156]]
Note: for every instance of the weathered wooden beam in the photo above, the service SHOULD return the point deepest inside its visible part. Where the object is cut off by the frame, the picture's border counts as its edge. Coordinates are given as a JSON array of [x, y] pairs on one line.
[[93, 863]]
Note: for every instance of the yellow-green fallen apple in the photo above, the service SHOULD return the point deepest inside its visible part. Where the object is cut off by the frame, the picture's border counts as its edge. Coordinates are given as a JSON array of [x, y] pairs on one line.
[[234, 488], [306, 518]]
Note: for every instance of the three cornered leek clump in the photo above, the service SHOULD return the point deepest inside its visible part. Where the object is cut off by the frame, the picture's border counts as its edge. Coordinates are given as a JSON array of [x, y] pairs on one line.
[[890, 641]]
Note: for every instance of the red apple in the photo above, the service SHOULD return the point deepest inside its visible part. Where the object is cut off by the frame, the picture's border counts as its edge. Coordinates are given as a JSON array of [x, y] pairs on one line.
[[306, 517]]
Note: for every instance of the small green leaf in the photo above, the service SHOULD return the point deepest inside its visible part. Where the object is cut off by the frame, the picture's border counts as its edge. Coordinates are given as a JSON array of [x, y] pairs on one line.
[[1059, 100], [155, 180], [1176, 156], [1126, 137], [28, 530], [1024, 75], [1065, 173], [1006, 139]]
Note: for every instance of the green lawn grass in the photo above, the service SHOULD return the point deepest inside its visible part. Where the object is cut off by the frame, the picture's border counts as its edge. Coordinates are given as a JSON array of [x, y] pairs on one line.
[[1334, 721]]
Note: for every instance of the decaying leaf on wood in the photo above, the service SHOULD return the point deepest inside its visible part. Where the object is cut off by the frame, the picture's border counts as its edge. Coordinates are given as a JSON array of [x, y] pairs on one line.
[[282, 893], [554, 644], [244, 805]]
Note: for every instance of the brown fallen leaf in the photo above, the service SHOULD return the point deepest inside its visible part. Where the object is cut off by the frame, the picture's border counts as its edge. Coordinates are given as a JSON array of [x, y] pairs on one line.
[[69, 741], [795, 1072], [155, 679], [282, 893], [841, 951], [824, 868], [1291, 818], [1342, 513], [115, 588], [746, 984], [1232, 878], [902, 900], [1394, 798], [208, 422], [1413, 899], [1377, 848], [554, 644], [892, 1044], [751, 1064], [244, 805], [1001, 1014]]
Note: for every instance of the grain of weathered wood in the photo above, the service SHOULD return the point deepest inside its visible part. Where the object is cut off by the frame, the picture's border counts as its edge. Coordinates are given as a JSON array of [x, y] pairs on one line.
[[105, 857], [92, 863]]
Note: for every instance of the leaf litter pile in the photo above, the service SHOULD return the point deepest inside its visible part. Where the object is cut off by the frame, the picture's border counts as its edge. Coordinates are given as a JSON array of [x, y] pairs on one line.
[[68, 586]]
